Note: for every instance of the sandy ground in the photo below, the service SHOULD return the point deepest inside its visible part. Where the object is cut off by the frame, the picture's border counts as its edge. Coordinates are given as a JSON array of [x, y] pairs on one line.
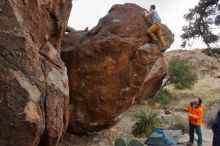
[[122, 129]]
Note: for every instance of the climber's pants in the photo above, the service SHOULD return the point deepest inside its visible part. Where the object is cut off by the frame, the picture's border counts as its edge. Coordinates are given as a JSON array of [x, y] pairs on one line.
[[192, 129], [156, 28]]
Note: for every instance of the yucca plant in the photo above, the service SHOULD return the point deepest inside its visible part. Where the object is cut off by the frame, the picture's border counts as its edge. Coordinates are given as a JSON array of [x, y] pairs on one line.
[[145, 123]]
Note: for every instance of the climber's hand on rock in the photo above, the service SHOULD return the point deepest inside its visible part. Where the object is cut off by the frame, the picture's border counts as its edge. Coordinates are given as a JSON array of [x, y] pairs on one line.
[[146, 13]]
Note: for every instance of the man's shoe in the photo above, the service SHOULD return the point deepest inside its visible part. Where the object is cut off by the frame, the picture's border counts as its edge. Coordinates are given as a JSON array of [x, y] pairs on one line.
[[163, 49], [189, 144], [155, 42]]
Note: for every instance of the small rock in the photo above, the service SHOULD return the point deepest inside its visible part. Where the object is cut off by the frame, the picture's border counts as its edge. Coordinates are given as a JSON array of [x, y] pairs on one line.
[[95, 139], [102, 143], [217, 75], [113, 129]]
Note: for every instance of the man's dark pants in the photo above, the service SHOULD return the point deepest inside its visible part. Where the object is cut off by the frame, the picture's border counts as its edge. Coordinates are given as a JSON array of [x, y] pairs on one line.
[[192, 129]]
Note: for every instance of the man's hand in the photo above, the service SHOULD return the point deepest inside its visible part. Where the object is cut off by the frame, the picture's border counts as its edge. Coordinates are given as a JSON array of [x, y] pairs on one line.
[[185, 109], [146, 13], [189, 114]]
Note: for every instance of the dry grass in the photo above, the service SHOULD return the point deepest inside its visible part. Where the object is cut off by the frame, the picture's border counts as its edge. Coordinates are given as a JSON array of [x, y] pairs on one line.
[[179, 122], [212, 108], [207, 88]]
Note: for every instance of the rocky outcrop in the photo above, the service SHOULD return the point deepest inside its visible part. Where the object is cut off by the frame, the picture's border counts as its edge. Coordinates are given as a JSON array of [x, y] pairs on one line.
[[202, 64], [110, 67], [33, 80]]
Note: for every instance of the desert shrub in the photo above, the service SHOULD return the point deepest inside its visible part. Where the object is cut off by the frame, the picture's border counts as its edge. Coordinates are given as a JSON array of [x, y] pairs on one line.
[[212, 104], [163, 97], [180, 74], [212, 52], [179, 123], [145, 123]]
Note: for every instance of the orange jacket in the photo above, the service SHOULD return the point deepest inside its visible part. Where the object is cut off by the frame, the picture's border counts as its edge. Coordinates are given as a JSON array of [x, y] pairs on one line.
[[196, 114]]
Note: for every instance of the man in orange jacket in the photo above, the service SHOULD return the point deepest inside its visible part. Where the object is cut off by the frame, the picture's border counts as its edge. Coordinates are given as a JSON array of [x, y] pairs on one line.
[[195, 112]]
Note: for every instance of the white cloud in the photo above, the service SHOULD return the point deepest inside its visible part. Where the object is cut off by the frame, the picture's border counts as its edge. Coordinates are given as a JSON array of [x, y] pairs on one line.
[[87, 13]]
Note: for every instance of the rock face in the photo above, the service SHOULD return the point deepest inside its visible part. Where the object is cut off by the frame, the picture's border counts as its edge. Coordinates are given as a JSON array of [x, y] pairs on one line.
[[109, 67], [33, 79]]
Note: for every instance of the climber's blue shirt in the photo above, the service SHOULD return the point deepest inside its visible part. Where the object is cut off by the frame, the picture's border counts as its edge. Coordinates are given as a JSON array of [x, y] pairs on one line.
[[154, 16]]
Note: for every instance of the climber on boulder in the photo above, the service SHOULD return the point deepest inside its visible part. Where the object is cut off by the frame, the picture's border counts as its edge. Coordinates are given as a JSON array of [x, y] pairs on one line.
[[155, 27]]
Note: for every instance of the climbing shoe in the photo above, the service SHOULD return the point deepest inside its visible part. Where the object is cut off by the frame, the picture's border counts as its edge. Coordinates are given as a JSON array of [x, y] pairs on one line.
[[163, 49], [155, 42]]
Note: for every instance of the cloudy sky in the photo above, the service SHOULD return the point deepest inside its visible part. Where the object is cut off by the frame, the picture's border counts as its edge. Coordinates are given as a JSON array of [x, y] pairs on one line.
[[86, 13]]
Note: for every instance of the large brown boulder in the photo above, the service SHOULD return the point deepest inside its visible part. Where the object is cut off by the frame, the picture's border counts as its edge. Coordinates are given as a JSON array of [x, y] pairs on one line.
[[33, 79], [110, 68]]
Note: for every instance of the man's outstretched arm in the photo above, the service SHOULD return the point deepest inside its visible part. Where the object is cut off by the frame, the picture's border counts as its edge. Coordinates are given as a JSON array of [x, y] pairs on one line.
[[147, 13]]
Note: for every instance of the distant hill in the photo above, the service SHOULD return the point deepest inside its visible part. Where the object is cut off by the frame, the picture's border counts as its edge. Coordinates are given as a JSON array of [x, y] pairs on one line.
[[200, 62]]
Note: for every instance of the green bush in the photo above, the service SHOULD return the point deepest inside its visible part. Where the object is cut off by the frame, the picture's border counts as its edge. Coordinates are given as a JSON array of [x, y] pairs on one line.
[[163, 97], [212, 52], [145, 123], [180, 74]]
